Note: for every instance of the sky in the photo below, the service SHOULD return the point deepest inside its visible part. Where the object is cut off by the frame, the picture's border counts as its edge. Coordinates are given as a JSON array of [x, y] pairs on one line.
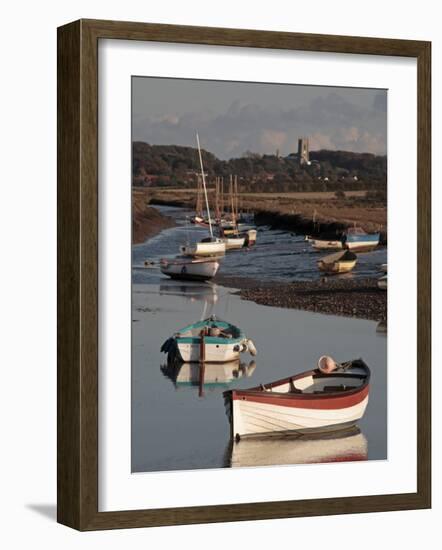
[[235, 117]]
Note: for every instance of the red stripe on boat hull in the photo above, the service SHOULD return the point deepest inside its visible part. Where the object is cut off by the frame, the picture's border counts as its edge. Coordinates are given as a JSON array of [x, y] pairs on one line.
[[303, 402]]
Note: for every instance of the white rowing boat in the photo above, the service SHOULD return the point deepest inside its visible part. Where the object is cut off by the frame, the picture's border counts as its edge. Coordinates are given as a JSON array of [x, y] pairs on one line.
[[319, 400], [190, 268]]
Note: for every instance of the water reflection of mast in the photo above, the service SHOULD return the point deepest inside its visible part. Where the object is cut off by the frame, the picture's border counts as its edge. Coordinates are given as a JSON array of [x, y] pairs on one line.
[[216, 375]]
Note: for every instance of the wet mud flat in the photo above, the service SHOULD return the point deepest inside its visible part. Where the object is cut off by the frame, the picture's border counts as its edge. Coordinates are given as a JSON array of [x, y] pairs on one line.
[[359, 298]]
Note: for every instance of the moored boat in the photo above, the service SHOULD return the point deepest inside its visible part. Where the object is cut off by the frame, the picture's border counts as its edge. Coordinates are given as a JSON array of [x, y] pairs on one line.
[[210, 340], [190, 268], [326, 244], [234, 242], [340, 262], [328, 398], [210, 246], [356, 239], [250, 237]]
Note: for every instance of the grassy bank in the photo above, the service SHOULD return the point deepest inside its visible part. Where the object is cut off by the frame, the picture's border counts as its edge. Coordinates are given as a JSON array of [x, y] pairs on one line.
[[304, 212]]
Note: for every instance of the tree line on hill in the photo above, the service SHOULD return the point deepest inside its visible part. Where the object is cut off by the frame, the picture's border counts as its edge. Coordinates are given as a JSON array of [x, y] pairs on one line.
[[173, 165]]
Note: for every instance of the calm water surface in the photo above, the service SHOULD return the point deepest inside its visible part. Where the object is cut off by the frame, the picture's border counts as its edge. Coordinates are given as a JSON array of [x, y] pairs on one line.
[[175, 426]]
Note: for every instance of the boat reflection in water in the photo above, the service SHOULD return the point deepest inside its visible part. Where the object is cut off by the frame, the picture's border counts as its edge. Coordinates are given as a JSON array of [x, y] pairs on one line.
[[204, 292], [348, 445], [207, 376]]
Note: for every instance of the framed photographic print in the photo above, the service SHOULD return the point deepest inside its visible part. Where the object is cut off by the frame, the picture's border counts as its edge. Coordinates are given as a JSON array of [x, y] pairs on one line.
[[243, 275]]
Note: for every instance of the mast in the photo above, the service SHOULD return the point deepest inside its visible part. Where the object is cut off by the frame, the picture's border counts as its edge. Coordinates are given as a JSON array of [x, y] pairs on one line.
[[204, 184], [232, 203], [222, 197], [198, 206], [236, 198], [217, 210]]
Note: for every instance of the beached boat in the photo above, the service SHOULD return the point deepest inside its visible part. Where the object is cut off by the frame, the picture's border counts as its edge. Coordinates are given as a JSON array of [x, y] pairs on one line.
[[348, 445], [340, 262], [356, 239], [210, 340], [234, 242], [189, 268], [326, 244], [250, 237], [210, 246], [328, 398], [382, 282]]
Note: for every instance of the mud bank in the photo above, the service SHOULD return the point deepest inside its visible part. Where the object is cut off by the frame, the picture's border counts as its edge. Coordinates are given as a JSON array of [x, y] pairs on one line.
[[300, 224], [146, 220], [359, 298]]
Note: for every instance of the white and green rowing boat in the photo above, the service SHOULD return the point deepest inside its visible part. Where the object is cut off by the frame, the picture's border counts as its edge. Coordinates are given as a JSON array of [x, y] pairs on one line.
[[210, 340]]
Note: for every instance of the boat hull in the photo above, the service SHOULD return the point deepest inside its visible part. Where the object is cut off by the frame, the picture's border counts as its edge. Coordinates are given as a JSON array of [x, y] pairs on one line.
[[326, 245], [234, 243], [189, 271], [336, 267], [265, 415], [361, 243], [250, 239], [205, 249], [214, 353]]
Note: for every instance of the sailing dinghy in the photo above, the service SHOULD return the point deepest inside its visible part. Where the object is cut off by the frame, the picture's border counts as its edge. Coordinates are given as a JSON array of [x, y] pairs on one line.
[[210, 246], [330, 397]]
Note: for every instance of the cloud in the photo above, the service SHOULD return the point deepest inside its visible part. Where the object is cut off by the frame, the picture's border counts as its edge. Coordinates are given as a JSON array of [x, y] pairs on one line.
[[272, 139], [331, 122]]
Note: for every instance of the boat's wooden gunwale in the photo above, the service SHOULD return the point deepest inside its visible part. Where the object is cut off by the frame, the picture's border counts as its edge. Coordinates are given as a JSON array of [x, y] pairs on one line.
[[258, 391]]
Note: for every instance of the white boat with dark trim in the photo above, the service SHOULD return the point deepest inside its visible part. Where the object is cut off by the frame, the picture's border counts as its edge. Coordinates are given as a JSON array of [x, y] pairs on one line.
[[210, 340], [328, 398], [324, 244], [234, 242], [210, 246], [190, 268]]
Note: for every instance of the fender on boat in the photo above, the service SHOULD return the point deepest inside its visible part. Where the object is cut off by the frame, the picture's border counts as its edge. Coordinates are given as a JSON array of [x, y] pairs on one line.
[[251, 347]]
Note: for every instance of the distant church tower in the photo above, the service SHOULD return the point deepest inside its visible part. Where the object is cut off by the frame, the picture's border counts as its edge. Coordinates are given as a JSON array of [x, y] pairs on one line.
[[303, 152]]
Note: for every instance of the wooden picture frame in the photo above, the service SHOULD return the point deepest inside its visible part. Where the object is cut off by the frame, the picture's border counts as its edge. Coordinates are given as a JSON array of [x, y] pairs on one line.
[[78, 274]]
